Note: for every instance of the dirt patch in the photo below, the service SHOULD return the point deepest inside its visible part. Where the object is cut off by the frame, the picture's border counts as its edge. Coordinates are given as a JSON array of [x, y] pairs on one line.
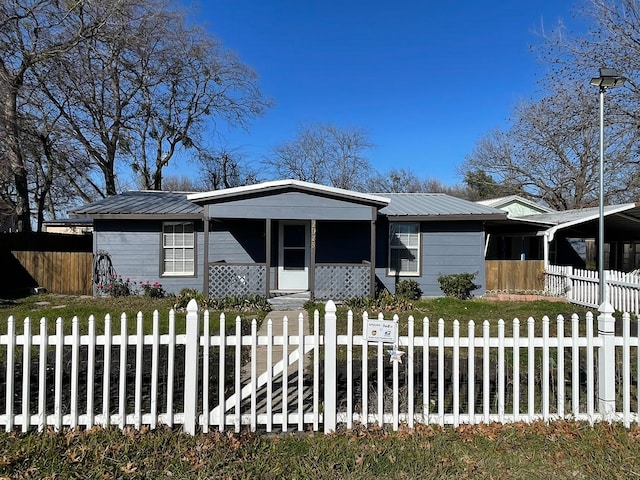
[[519, 297]]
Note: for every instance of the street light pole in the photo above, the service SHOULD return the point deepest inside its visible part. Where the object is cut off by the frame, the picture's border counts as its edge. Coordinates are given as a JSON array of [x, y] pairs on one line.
[[606, 321], [608, 78]]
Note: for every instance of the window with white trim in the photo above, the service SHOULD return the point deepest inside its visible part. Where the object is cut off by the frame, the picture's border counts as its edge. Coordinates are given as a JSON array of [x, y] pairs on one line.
[[404, 249], [178, 248]]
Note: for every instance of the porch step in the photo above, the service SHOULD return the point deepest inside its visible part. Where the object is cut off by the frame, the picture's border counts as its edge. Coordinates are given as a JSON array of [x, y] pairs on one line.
[[288, 300]]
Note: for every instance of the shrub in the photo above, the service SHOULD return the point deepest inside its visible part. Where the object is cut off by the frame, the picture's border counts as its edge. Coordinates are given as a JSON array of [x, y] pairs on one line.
[[186, 295], [152, 290], [458, 285], [117, 287], [408, 289], [242, 303], [385, 301]]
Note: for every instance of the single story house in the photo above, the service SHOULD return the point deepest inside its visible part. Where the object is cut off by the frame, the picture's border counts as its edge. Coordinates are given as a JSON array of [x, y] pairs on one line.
[[289, 235]]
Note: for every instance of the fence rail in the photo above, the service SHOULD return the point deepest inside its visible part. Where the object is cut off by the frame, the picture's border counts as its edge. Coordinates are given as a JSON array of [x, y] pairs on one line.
[[582, 287], [447, 373]]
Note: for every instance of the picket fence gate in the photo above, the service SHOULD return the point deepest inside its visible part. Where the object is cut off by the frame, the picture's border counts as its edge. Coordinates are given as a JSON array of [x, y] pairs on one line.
[[321, 381], [582, 287]]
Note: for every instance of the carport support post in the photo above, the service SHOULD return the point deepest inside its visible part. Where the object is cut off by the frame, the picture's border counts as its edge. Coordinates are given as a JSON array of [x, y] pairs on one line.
[[192, 344], [330, 377], [607, 362]]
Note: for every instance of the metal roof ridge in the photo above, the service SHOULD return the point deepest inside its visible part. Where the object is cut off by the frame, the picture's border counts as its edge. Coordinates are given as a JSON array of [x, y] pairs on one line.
[[275, 184]]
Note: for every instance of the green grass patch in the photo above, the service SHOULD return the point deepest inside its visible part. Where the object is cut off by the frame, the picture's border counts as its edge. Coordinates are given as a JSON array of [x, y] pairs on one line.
[[66, 307], [478, 310]]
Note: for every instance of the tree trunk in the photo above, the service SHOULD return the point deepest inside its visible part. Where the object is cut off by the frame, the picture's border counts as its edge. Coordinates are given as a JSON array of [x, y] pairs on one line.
[[16, 159]]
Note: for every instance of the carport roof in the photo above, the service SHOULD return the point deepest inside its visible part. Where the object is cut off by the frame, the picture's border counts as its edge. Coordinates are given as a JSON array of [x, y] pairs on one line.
[[618, 218]]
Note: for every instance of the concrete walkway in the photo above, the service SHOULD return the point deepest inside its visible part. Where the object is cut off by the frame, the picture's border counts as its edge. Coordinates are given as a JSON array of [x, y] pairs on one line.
[[277, 318]]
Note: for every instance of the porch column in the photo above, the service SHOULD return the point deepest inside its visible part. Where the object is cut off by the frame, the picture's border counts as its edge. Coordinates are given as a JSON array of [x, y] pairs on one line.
[[372, 276], [267, 247], [312, 260], [205, 252]]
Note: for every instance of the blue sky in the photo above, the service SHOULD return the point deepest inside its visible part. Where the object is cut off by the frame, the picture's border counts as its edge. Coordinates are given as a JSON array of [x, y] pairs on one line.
[[426, 79]]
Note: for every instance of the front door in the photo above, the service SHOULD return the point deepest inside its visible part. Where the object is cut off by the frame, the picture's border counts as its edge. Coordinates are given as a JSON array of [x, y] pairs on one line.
[[293, 256]]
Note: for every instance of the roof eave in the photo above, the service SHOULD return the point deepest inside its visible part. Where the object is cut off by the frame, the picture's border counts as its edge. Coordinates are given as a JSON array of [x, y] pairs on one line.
[[144, 216], [447, 218]]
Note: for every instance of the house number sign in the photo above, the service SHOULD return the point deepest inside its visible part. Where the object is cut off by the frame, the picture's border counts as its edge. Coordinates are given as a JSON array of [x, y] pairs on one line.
[[382, 331]]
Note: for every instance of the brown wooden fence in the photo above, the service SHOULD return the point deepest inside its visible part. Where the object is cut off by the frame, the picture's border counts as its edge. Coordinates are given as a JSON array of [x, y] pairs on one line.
[[67, 273], [514, 275], [56, 262]]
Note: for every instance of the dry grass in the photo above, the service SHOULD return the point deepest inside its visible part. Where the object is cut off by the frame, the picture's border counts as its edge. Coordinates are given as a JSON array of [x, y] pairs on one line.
[[527, 451]]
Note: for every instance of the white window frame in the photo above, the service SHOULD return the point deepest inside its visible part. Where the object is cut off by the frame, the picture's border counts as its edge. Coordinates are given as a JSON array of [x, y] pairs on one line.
[[412, 241], [178, 248]]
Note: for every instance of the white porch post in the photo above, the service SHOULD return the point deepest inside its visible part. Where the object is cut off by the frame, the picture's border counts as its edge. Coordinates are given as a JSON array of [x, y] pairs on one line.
[[607, 362]]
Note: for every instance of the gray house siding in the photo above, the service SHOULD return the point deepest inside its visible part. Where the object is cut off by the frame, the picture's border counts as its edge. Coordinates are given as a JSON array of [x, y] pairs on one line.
[[135, 251], [290, 206], [445, 248]]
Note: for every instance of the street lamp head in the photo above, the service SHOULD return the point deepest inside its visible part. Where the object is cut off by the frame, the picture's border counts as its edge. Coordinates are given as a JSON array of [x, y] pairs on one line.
[[609, 78]]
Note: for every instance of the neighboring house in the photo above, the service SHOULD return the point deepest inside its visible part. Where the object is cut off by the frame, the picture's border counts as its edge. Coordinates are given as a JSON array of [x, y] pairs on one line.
[[516, 206], [515, 240], [70, 226], [290, 235], [569, 237]]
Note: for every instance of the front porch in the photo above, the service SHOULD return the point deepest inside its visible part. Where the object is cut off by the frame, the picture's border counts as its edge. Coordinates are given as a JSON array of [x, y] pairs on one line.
[[289, 236]]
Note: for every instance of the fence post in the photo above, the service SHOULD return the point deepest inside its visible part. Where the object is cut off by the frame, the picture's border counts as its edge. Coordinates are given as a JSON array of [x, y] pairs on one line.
[[607, 362], [191, 353], [330, 378]]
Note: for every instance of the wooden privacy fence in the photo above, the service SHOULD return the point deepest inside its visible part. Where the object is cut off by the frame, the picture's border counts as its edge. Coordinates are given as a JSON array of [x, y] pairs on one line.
[[59, 263], [514, 275], [447, 373], [68, 273], [582, 287]]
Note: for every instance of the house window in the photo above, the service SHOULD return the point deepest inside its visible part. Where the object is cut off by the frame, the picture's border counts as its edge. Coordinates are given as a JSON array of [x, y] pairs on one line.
[[404, 249], [178, 248]]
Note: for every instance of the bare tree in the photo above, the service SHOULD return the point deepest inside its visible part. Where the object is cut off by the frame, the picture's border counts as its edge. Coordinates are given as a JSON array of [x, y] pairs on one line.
[[144, 89], [550, 152], [324, 154], [402, 180], [33, 32], [224, 169], [195, 79], [173, 183]]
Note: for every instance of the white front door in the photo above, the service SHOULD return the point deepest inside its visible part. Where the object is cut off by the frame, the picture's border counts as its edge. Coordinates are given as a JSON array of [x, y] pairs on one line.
[[293, 256]]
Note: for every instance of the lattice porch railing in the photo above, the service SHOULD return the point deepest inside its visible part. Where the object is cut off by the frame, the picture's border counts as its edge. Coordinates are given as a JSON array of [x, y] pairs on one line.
[[340, 282], [236, 279]]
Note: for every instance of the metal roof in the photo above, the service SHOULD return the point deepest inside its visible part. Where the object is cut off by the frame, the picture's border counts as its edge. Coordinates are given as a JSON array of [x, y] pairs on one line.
[[579, 215], [150, 203], [439, 206], [141, 203]]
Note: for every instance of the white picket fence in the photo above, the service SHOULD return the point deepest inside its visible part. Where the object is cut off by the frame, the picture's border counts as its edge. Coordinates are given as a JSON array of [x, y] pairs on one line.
[[582, 287], [448, 374]]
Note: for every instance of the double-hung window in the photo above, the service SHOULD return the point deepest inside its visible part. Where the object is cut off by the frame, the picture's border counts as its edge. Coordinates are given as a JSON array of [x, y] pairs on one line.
[[178, 248], [404, 249]]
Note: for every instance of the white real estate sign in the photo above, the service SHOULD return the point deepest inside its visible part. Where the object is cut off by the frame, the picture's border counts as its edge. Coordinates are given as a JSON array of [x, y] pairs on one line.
[[382, 331]]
